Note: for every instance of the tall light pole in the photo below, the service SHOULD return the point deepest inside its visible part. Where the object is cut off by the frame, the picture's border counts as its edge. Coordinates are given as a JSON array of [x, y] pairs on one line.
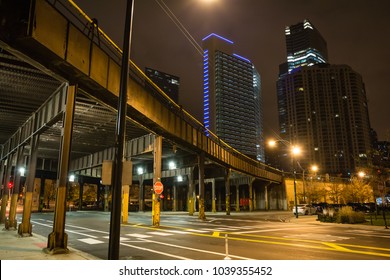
[[294, 152], [117, 166]]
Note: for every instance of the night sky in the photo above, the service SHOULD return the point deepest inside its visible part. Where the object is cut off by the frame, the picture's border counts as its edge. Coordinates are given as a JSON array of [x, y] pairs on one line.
[[357, 33]]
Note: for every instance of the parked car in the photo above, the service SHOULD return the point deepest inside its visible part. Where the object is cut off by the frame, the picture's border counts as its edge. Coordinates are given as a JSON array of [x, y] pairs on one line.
[[305, 209]]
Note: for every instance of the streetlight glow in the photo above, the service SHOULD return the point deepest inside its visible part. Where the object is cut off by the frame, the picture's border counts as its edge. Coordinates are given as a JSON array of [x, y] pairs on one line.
[[272, 143], [361, 174], [296, 151], [172, 165]]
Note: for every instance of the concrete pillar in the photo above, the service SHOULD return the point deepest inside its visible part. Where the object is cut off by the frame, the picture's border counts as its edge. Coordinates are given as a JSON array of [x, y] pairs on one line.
[[266, 196], [219, 201], [191, 192], [58, 239], [141, 198], [202, 214], [237, 197], [125, 203], [157, 152], [174, 198], [81, 193], [106, 200], [227, 187], [213, 197], [251, 181]]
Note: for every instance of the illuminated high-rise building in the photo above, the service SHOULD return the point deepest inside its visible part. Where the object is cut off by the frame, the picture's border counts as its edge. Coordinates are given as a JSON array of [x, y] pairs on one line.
[[167, 82], [232, 97], [305, 45], [322, 107]]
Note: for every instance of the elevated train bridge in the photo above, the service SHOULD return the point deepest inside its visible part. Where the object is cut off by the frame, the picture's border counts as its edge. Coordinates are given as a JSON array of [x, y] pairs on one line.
[[59, 88]]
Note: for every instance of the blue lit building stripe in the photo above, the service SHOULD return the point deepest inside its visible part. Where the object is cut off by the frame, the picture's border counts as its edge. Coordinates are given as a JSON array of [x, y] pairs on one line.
[[243, 58], [206, 104], [218, 36]]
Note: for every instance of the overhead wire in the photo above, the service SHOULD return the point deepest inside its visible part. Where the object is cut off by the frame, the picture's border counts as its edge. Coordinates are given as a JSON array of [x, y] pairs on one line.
[[179, 25]]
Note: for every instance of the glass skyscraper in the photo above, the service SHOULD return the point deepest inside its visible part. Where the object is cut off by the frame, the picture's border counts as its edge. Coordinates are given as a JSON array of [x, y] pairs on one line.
[[322, 107], [305, 45], [232, 97], [167, 82]]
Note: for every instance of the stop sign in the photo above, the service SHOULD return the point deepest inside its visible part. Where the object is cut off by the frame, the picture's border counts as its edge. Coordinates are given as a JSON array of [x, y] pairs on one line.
[[158, 187]]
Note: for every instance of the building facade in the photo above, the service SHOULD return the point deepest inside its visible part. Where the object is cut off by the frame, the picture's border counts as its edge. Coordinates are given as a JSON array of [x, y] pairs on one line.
[[305, 45], [167, 82], [232, 97], [323, 108]]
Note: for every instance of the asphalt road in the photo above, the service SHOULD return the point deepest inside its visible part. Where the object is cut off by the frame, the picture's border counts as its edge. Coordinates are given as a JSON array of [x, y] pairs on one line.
[[244, 236]]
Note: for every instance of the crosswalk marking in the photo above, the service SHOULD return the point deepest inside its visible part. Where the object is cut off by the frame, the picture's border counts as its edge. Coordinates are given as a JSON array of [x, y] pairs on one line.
[[137, 235], [160, 233], [178, 231], [90, 241]]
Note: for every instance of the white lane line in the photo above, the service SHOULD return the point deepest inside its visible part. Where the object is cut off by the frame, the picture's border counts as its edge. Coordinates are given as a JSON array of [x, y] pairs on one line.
[[155, 252], [90, 241], [178, 231], [197, 230], [196, 250], [267, 230], [137, 235], [159, 233]]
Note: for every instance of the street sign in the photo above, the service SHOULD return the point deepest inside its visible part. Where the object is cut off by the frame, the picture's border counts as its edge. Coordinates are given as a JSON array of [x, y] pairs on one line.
[[158, 187]]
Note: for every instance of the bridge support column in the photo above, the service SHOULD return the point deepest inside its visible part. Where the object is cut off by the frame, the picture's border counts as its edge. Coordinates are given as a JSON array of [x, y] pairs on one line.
[[238, 197], [58, 240], [81, 193], [106, 202], [191, 192], [266, 196], [174, 194], [213, 197], [202, 215], [157, 152], [4, 199], [141, 201], [252, 180], [227, 188], [11, 222], [125, 203]]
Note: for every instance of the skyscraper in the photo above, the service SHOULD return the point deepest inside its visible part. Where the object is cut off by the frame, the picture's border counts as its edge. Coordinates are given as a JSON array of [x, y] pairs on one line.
[[322, 107], [305, 45], [167, 82], [232, 97]]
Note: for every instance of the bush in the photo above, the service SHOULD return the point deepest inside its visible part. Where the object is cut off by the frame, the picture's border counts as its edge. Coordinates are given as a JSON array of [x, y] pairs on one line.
[[346, 215]]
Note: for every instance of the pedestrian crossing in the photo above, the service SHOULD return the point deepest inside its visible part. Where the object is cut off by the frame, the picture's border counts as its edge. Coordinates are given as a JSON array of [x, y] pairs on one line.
[[167, 232]]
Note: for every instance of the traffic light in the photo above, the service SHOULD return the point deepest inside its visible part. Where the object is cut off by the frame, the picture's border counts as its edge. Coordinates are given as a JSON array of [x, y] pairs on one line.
[[10, 185]]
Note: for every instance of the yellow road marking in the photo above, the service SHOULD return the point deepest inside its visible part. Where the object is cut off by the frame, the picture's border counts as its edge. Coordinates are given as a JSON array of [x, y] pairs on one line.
[[329, 246]]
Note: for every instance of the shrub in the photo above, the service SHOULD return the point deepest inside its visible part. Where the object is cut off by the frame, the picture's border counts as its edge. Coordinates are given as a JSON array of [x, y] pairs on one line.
[[346, 215]]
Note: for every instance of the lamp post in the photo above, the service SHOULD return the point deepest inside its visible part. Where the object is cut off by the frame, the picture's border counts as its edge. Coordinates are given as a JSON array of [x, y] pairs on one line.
[[294, 151], [117, 166]]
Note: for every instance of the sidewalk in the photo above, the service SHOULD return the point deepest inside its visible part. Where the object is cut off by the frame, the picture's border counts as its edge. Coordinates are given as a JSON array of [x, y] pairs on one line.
[[14, 247]]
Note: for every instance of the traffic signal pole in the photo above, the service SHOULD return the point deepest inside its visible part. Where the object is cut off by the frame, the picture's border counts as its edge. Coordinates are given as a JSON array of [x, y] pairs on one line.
[[157, 152], [11, 222], [4, 199]]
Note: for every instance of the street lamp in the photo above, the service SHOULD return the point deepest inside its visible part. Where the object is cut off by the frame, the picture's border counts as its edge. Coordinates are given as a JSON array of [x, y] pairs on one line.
[[294, 151]]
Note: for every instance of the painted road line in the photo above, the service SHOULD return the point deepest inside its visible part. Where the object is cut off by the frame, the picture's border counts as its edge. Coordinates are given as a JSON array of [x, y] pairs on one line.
[[155, 251], [196, 250], [90, 241]]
